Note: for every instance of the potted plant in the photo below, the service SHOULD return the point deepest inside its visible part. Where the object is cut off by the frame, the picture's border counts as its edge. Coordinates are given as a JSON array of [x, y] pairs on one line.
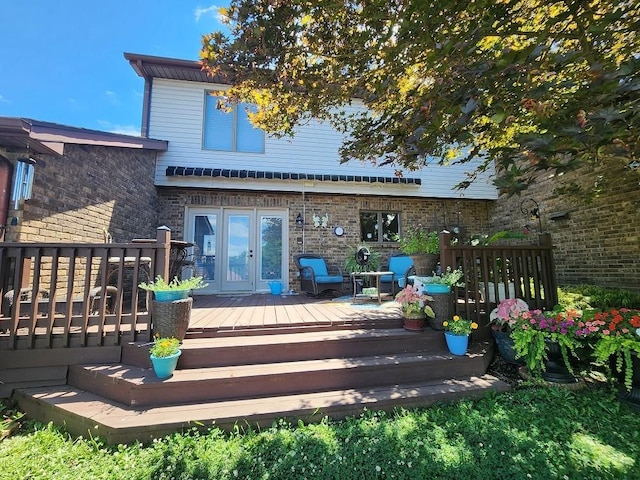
[[414, 307], [422, 245], [444, 282], [502, 319], [174, 290], [171, 308], [164, 354], [457, 331], [548, 340], [618, 336]]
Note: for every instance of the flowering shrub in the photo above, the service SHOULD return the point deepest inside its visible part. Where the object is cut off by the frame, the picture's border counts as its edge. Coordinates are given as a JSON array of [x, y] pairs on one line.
[[459, 326], [534, 329], [619, 336], [412, 301], [507, 313], [164, 347]]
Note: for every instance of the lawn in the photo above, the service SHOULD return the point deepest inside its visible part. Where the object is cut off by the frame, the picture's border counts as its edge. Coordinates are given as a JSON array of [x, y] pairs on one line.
[[529, 433]]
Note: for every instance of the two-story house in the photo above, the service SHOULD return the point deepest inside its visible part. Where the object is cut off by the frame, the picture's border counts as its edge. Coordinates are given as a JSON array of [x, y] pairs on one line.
[[250, 201]]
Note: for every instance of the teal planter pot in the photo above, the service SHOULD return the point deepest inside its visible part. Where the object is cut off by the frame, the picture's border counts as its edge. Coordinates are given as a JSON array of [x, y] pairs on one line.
[[170, 295], [436, 288], [457, 344], [164, 367]]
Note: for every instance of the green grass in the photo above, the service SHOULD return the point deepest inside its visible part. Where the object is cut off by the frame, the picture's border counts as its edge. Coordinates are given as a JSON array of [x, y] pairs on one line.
[[529, 433]]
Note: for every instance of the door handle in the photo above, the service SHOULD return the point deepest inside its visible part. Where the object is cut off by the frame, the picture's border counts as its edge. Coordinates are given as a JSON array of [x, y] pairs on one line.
[[250, 254]]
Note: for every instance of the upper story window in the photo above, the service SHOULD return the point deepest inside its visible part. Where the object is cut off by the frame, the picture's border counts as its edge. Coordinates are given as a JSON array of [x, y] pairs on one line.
[[380, 227], [230, 131]]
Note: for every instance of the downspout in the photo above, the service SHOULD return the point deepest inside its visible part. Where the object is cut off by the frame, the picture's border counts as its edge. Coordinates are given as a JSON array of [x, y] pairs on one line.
[[6, 172], [146, 107]]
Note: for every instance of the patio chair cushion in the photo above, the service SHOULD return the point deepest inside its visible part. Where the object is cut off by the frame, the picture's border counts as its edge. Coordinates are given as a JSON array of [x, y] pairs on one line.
[[399, 265], [328, 279], [318, 266]]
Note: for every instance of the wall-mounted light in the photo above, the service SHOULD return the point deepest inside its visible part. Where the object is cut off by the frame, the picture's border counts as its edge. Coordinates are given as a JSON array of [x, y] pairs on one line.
[[22, 181], [533, 211], [299, 221]]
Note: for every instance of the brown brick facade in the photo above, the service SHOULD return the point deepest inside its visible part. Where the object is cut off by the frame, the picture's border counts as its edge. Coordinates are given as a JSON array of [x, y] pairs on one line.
[[87, 190], [343, 210], [598, 242]]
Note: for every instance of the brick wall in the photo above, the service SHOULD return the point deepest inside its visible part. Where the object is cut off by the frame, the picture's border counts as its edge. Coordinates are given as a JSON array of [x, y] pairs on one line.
[[598, 242], [78, 196], [343, 210], [88, 189]]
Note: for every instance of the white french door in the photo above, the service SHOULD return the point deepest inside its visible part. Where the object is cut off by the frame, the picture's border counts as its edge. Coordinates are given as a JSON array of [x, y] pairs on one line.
[[239, 250]]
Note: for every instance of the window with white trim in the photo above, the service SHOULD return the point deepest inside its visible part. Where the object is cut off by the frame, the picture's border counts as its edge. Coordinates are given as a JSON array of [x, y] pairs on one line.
[[230, 131]]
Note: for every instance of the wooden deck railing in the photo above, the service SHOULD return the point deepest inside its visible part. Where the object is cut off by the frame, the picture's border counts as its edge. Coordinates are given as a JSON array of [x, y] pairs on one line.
[[492, 273], [68, 295]]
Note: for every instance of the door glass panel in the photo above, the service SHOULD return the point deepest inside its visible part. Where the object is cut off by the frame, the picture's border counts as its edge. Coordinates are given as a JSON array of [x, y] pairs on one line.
[[271, 248], [238, 248], [205, 246]]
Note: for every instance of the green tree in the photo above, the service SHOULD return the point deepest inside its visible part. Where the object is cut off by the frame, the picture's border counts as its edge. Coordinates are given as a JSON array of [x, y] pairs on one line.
[[532, 85]]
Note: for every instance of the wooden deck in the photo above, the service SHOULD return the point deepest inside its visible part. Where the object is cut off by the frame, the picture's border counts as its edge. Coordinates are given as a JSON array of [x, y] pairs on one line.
[[235, 313]]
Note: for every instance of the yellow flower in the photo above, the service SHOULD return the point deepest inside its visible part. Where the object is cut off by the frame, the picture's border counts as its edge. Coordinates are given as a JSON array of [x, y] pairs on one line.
[[445, 323], [456, 318], [474, 325]]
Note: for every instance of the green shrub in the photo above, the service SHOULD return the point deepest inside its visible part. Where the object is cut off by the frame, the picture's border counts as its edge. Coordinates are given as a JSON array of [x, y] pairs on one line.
[[601, 298]]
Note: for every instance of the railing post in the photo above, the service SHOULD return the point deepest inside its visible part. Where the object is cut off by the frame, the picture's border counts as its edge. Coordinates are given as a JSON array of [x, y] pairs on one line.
[[544, 240], [446, 255], [163, 238]]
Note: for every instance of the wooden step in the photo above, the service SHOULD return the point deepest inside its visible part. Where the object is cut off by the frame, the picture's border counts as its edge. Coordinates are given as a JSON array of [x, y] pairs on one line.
[[85, 413], [288, 347], [139, 386]]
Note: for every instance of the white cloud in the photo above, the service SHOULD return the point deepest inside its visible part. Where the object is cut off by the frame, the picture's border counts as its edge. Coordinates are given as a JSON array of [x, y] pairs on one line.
[[112, 97], [125, 130], [209, 11], [4, 100]]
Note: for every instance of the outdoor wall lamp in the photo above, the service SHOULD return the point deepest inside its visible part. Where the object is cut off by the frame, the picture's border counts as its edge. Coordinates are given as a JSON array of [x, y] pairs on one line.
[[299, 221], [22, 181], [533, 211]]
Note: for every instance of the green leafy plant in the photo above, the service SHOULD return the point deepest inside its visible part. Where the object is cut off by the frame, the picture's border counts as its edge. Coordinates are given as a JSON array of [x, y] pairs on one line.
[[459, 326], [160, 285], [164, 347], [419, 240], [618, 333], [450, 277], [534, 329], [351, 265]]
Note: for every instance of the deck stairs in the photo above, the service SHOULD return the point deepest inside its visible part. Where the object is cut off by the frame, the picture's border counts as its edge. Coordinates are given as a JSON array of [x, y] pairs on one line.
[[251, 378]]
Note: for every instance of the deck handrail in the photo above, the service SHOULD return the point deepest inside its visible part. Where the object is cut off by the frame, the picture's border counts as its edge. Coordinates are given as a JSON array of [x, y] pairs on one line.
[[495, 272], [78, 294]]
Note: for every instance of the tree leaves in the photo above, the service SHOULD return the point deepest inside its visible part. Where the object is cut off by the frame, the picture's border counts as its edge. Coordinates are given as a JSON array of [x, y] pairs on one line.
[[486, 76]]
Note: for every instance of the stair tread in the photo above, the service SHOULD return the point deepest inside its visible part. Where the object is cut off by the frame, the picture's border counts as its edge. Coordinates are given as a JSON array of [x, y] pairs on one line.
[[300, 337], [142, 376], [114, 415]]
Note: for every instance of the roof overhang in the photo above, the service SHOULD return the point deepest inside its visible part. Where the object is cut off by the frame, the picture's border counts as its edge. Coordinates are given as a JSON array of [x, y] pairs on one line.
[[49, 138], [148, 66]]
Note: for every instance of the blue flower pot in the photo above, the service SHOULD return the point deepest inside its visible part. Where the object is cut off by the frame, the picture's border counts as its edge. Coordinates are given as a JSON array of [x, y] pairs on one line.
[[430, 288], [164, 367], [170, 295], [457, 344]]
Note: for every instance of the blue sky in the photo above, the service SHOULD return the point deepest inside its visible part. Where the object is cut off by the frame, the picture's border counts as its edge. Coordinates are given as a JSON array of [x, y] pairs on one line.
[[62, 60]]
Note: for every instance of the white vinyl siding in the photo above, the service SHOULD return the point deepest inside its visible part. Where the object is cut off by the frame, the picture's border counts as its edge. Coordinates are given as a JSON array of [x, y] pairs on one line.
[[177, 115]]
